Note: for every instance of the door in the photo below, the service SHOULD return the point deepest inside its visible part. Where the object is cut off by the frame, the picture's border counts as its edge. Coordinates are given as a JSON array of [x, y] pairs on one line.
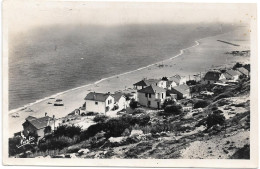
[[158, 105]]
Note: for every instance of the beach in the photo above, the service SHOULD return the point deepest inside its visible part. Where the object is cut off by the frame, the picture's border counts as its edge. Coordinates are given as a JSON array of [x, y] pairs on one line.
[[204, 54]]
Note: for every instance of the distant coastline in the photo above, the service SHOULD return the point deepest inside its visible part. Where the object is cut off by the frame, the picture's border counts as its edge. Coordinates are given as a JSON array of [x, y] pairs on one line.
[[103, 79]]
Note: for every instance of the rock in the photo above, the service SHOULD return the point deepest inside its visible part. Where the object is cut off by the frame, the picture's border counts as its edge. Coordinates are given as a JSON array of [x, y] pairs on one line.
[[136, 133], [117, 139], [83, 151], [73, 155]]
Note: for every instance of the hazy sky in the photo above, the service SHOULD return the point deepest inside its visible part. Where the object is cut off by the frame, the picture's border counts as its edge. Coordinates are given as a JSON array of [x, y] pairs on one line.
[[22, 16]]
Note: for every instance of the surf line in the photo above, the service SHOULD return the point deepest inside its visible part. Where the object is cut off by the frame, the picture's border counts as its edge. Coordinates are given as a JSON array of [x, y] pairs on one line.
[[101, 80]]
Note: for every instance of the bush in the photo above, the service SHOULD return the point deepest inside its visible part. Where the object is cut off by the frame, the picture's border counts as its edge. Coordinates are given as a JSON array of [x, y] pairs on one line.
[[201, 104], [133, 104], [214, 119], [173, 110], [138, 111], [100, 118], [168, 102], [68, 131], [56, 143], [224, 95]]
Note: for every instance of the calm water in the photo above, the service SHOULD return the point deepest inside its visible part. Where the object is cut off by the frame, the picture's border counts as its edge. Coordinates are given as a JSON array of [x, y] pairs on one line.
[[53, 59]]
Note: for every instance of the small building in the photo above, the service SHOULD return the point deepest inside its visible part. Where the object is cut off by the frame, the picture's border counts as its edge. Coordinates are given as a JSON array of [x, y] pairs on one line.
[[33, 125], [99, 102], [177, 80], [151, 96], [147, 82], [230, 75], [182, 91], [120, 100], [212, 77]]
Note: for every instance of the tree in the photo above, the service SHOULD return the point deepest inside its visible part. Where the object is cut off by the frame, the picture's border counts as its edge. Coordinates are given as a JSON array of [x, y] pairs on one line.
[[47, 130], [201, 104], [133, 104], [173, 110], [214, 119], [100, 118]]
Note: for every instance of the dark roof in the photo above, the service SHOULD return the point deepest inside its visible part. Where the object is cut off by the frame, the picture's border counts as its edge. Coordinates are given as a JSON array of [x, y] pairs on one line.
[[147, 82], [118, 95], [97, 96], [232, 72], [29, 118], [227, 76], [243, 70], [212, 75], [39, 123], [152, 89], [182, 88]]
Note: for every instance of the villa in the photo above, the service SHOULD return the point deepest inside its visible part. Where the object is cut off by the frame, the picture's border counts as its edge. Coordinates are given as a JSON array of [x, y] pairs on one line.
[[99, 102], [230, 75], [151, 96]]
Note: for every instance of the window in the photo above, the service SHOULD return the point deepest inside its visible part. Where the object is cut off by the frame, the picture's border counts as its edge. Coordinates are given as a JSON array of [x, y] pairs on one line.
[[150, 95], [162, 95], [146, 95], [96, 103], [149, 103]]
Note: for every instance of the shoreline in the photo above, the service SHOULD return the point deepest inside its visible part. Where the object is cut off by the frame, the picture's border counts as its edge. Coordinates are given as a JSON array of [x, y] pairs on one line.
[[113, 76], [205, 54]]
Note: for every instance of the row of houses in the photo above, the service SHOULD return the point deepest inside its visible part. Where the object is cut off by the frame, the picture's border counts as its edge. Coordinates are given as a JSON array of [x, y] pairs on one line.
[[216, 76], [148, 92]]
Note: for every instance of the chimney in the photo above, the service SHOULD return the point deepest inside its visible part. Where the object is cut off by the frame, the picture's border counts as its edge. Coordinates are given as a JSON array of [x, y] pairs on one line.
[[45, 114]]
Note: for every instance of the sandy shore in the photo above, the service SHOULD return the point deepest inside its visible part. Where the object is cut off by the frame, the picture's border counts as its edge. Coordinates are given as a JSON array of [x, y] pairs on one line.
[[205, 54]]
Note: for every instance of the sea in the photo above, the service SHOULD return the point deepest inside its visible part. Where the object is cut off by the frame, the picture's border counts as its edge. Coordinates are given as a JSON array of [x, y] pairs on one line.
[[52, 59]]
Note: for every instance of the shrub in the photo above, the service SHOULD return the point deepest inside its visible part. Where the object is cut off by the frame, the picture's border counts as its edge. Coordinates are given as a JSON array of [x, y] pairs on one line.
[[141, 120], [201, 104], [68, 131], [214, 119], [56, 143], [224, 95], [173, 110], [100, 118], [138, 111], [115, 127], [133, 104], [13, 142], [168, 102]]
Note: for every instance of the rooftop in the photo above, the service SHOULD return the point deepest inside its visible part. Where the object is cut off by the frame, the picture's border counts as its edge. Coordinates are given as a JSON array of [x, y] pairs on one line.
[[97, 96], [152, 89], [39, 123]]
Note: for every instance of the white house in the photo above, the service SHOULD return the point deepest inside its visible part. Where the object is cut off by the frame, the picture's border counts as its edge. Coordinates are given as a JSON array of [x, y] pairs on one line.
[[99, 102], [230, 75], [151, 96], [178, 80], [147, 82], [120, 100], [182, 91]]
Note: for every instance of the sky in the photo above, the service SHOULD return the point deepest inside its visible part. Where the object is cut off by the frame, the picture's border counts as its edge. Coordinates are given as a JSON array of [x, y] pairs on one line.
[[23, 15]]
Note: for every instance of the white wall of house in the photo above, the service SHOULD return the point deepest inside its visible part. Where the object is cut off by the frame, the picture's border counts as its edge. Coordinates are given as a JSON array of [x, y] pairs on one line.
[[95, 106], [111, 103], [183, 80], [122, 104], [173, 84], [145, 99], [162, 84], [98, 106]]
